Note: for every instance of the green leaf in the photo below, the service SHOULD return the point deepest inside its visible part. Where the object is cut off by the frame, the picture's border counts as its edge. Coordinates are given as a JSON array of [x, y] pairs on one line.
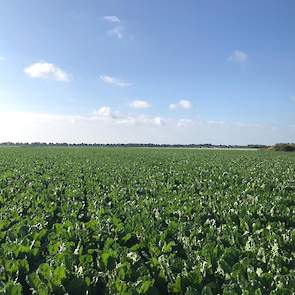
[[176, 286], [145, 286], [24, 265], [36, 284], [13, 288], [45, 271], [59, 274], [226, 268], [105, 258], [207, 291]]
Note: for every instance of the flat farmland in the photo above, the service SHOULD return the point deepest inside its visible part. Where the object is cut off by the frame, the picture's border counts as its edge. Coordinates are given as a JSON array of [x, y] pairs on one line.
[[146, 221]]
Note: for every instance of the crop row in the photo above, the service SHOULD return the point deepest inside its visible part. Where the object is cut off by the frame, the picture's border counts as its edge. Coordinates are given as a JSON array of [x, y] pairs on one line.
[[146, 221]]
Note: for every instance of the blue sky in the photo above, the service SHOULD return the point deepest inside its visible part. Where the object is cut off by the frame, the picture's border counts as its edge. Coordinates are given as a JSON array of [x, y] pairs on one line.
[[160, 71]]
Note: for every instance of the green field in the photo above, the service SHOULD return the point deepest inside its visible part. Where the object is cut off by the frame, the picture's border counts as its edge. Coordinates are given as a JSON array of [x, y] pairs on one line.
[[146, 221]]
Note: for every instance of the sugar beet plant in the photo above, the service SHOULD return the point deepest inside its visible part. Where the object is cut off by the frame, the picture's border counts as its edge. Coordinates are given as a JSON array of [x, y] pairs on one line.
[[146, 221]]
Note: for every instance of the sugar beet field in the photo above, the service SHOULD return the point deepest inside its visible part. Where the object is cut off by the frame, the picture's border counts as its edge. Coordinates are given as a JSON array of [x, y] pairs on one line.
[[146, 221]]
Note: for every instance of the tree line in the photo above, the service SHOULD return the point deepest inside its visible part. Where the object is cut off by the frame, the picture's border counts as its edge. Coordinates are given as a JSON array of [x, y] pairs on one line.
[[64, 144]]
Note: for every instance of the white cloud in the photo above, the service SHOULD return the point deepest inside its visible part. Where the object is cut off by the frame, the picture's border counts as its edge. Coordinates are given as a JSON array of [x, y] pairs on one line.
[[184, 122], [182, 104], [185, 104], [117, 31], [238, 56], [45, 70], [2, 58], [159, 121], [114, 81], [106, 126], [112, 19], [172, 106], [104, 111], [140, 104], [116, 26]]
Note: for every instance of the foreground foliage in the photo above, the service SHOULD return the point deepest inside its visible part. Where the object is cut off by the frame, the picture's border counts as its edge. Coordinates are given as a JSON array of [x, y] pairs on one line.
[[146, 221]]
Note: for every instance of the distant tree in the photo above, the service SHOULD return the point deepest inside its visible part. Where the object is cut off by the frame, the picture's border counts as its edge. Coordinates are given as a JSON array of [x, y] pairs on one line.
[[284, 147]]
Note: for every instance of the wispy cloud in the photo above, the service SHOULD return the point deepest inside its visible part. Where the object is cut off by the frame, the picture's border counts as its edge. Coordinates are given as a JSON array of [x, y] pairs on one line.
[[292, 98], [45, 70], [238, 56], [116, 26], [140, 104], [106, 113], [117, 31], [111, 19], [184, 122], [182, 104], [115, 81], [2, 58]]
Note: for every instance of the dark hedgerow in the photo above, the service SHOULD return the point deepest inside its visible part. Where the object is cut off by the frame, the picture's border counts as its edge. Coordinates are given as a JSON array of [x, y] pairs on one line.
[[284, 147]]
